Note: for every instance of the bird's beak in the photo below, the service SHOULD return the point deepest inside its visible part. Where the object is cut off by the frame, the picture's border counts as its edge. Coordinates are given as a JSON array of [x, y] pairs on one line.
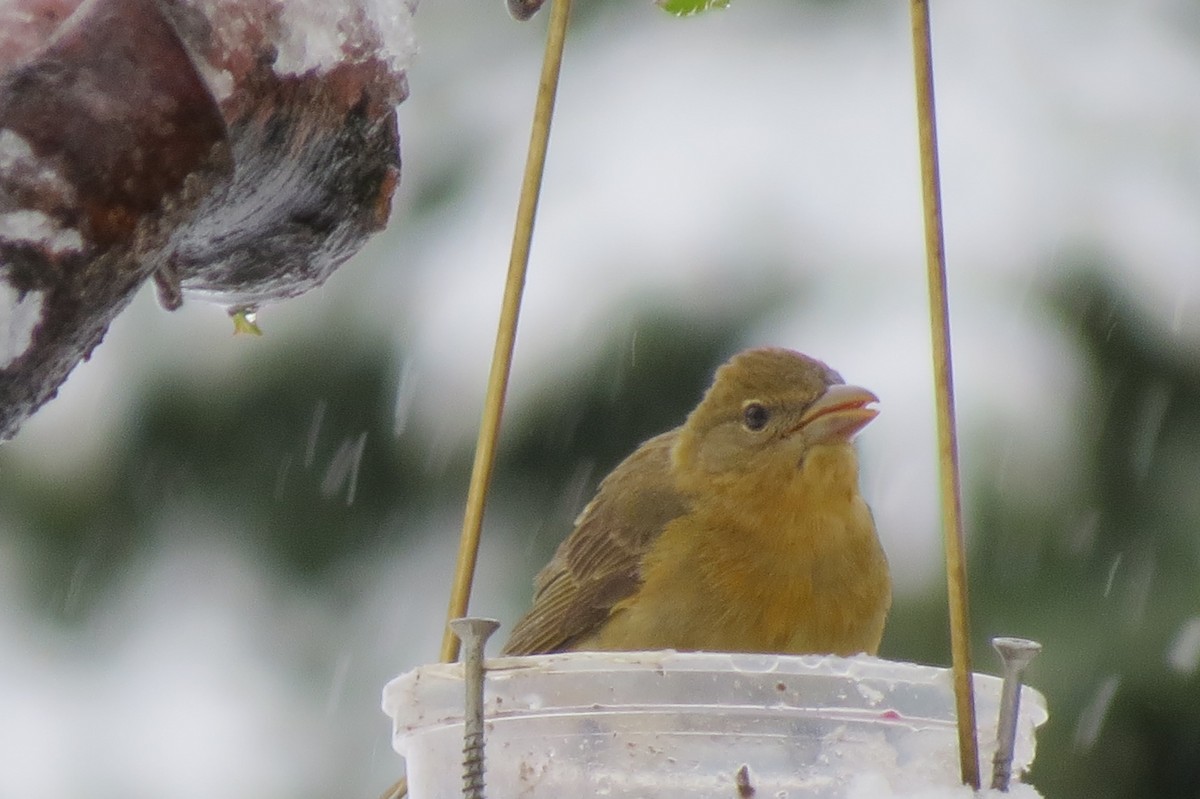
[[837, 415]]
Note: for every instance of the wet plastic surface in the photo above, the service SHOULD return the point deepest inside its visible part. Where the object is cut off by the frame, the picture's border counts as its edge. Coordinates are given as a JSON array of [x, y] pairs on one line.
[[669, 724]]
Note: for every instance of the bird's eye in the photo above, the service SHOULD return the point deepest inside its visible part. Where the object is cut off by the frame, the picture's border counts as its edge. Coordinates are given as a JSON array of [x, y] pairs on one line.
[[755, 416]]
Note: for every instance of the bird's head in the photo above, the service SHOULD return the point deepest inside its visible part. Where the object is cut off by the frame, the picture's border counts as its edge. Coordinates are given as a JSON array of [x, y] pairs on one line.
[[770, 407]]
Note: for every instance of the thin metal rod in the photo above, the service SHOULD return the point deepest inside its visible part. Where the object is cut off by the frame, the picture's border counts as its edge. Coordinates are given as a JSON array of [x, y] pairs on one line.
[[473, 633], [506, 334], [939, 318], [1015, 656]]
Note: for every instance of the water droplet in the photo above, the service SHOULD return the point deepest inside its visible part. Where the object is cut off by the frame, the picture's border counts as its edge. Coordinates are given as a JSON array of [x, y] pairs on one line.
[[1180, 312], [406, 395], [1083, 538], [245, 319], [1112, 573], [314, 429], [1141, 580], [1184, 654], [522, 10], [343, 469], [285, 466], [1152, 410], [337, 683], [1091, 720]]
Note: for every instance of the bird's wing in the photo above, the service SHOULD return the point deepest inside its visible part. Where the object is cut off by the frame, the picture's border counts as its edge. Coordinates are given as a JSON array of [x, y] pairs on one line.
[[599, 564]]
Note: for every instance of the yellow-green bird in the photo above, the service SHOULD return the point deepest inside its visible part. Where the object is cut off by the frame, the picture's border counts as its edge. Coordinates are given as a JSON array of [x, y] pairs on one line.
[[741, 530]]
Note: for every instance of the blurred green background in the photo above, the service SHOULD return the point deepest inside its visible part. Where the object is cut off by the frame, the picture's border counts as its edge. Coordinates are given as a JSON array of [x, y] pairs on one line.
[[215, 551]]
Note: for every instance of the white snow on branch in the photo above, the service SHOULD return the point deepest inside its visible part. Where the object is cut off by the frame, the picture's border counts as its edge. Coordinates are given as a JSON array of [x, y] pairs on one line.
[[319, 35], [19, 164], [315, 35], [14, 150], [34, 227], [19, 317]]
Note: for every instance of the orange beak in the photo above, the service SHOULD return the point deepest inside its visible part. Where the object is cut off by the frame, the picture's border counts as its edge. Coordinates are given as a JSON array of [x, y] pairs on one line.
[[837, 415]]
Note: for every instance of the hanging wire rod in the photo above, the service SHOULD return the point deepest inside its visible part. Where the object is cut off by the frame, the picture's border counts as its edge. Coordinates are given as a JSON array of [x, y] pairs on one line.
[[939, 320], [506, 334]]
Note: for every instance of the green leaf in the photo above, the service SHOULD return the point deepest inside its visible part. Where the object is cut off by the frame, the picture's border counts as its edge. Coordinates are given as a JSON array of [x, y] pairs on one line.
[[685, 8]]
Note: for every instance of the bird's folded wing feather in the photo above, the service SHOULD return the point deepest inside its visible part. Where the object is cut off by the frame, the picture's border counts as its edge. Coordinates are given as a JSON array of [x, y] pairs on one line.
[[599, 564]]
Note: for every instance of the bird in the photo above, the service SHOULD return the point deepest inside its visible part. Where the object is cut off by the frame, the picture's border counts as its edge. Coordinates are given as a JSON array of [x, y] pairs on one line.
[[741, 530]]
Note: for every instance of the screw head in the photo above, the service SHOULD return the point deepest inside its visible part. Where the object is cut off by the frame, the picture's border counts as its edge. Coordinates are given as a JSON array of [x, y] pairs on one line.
[[1016, 652], [474, 628]]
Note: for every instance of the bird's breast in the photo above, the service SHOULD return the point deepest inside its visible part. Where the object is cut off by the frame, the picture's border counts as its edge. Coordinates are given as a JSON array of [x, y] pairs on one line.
[[790, 566]]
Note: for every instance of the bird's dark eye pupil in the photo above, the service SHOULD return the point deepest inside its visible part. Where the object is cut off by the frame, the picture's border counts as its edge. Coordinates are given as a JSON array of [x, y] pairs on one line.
[[756, 416]]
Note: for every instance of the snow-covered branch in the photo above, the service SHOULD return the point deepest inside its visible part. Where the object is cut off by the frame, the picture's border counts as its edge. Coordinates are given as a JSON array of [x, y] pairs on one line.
[[237, 150]]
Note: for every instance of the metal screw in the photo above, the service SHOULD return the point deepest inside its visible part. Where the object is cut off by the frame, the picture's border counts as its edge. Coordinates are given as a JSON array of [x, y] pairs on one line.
[[474, 633], [1015, 655]]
